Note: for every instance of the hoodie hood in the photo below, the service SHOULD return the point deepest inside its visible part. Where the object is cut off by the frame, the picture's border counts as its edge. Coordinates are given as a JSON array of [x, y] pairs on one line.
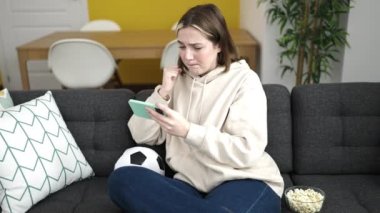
[[198, 87], [202, 81], [210, 76]]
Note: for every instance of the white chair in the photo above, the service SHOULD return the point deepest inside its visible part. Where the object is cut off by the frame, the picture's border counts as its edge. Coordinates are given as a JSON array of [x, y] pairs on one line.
[[101, 25], [81, 63], [170, 54]]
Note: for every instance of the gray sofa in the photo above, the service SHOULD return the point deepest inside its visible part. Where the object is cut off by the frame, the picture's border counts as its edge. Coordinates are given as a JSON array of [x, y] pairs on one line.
[[325, 135]]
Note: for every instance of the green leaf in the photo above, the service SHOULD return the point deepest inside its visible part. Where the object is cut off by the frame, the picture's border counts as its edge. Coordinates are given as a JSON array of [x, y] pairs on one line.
[[320, 35]]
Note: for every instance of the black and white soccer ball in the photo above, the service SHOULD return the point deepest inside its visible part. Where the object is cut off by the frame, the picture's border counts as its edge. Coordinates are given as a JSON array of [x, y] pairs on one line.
[[141, 156]]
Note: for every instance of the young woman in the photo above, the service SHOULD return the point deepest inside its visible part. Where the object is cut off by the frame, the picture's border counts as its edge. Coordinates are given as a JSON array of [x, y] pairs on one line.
[[214, 126]]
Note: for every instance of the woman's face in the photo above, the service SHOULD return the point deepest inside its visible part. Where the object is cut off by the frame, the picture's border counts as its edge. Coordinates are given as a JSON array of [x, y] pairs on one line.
[[196, 51]]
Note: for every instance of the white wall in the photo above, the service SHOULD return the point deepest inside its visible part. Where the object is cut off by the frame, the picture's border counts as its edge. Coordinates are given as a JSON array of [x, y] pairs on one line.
[[2, 64], [253, 18], [361, 60], [21, 23]]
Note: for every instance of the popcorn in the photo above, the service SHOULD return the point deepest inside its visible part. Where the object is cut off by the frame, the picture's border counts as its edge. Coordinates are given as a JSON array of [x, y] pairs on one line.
[[304, 200]]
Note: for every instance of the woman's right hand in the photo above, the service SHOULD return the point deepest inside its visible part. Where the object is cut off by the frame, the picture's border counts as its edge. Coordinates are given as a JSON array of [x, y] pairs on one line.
[[169, 77]]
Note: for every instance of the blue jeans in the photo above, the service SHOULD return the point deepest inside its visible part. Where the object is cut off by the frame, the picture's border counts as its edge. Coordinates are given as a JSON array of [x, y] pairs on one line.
[[136, 189]]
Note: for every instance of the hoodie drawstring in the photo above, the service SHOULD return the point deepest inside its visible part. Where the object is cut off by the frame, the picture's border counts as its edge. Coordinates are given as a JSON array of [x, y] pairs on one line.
[[201, 101], [202, 94], [210, 76], [191, 94]]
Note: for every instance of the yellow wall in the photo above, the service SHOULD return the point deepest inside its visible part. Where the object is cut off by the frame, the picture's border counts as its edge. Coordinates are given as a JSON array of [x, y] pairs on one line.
[[151, 14]]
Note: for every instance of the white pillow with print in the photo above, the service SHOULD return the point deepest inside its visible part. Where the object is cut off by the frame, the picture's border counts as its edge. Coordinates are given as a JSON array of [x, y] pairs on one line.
[[38, 154], [5, 99]]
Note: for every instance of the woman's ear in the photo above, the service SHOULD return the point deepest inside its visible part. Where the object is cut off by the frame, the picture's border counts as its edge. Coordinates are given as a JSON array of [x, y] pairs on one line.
[[217, 46]]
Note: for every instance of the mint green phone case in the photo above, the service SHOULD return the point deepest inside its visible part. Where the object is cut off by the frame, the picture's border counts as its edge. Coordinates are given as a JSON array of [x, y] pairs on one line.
[[138, 108]]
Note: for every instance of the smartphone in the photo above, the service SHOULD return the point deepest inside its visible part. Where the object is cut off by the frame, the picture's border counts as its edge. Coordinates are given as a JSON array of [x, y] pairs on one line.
[[138, 108]]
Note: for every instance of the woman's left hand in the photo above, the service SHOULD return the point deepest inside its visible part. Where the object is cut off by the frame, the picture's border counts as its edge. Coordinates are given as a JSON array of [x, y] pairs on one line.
[[171, 122]]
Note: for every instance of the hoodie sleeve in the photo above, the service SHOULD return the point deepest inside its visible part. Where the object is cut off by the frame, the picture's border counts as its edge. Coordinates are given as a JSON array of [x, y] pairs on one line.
[[147, 131], [243, 137]]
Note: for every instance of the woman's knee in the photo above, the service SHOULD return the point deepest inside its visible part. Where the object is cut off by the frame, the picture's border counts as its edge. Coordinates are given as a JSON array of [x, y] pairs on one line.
[[122, 176], [116, 179], [245, 195], [269, 202], [129, 175]]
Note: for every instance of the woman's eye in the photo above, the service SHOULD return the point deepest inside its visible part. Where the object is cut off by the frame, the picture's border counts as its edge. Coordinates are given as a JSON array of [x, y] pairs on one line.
[[181, 47], [197, 48]]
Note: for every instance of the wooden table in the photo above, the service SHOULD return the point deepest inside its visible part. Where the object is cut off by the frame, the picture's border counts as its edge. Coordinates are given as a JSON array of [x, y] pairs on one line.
[[147, 44]]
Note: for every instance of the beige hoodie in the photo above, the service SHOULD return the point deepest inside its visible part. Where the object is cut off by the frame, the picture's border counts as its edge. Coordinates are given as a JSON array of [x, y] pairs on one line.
[[228, 130]]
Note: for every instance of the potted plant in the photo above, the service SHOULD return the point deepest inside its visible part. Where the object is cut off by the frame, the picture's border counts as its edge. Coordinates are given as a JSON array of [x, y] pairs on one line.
[[310, 35]]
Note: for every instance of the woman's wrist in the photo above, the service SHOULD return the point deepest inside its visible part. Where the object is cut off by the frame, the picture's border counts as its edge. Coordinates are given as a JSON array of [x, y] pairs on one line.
[[163, 95]]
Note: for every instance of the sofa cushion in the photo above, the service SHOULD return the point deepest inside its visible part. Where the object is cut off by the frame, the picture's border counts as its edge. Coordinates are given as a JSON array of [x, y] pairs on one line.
[[38, 154], [346, 193], [89, 195], [288, 182], [5, 99], [279, 126], [98, 121], [337, 128]]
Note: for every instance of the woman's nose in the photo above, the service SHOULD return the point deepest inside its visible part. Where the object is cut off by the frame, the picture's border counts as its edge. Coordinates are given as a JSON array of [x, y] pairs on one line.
[[188, 54]]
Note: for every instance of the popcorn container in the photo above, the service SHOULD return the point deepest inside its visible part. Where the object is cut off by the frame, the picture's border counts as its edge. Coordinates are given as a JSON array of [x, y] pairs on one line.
[[304, 199]]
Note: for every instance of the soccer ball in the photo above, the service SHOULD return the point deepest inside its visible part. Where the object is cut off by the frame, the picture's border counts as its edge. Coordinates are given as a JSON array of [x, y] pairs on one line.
[[141, 156]]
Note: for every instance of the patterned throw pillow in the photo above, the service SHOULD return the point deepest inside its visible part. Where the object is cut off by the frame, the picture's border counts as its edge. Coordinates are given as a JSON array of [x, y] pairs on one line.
[[38, 154], [5, 99]]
